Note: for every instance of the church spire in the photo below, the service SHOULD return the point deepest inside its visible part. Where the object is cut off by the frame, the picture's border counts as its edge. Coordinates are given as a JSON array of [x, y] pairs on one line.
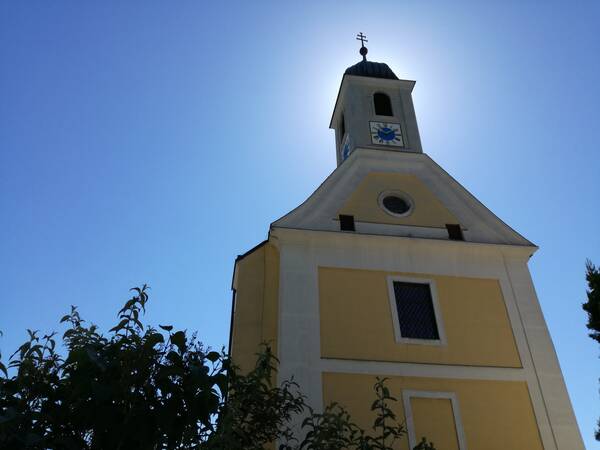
[[363, 50], [374, 109]]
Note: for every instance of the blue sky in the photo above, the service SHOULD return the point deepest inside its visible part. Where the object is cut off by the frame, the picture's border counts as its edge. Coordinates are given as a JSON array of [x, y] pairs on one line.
[[152, 142]]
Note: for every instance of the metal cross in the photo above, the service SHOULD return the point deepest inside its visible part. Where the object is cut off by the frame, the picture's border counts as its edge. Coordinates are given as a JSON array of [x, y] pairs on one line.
[[362, 38]]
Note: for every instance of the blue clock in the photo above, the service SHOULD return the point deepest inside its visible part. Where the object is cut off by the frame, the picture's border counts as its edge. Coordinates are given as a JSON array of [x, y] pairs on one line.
[[346, 151], [384, 133], [346, 147]]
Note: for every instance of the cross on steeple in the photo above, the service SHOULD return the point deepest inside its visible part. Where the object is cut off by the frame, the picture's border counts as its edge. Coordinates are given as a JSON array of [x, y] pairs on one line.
[[363, 50], [362, 38]]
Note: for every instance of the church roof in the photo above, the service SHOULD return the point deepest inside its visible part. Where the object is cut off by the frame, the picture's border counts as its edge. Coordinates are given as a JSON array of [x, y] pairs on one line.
[[355, 186], [371, 69]]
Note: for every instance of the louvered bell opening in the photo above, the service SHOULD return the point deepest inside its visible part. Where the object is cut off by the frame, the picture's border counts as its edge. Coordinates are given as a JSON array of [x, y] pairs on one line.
[[415, 311], [454, 232], [346, 223]]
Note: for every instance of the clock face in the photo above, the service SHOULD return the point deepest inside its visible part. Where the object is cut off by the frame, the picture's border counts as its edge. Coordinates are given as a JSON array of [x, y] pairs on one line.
[[346, 151], [346, 148], [384, 133]]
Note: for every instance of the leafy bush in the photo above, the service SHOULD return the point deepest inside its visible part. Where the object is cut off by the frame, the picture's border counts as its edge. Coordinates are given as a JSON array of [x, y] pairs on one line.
[[154, 388]]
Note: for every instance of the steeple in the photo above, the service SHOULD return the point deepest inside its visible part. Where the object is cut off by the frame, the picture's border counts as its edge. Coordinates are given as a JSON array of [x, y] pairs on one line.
[[374, 109], [363, 50]]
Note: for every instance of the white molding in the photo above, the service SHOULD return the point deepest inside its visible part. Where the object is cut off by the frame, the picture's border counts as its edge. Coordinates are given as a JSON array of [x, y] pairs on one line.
[[403, 230], [436, 311], [410, 425], [547, 381], [326, 238], [422, 370]]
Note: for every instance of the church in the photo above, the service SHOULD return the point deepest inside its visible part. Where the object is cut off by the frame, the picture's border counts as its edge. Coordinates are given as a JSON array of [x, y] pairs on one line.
[[392, 269]]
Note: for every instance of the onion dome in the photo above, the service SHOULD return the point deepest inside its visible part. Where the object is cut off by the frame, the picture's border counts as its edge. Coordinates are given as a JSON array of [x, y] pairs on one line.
[[371, 69]]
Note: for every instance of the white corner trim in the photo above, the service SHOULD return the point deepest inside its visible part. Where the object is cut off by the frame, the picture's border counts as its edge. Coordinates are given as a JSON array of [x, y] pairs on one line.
[[410, 422], [436, 310]]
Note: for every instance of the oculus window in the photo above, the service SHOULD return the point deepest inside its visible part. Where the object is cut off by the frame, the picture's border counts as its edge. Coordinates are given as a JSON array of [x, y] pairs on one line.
[[396, 203], [416, 311]]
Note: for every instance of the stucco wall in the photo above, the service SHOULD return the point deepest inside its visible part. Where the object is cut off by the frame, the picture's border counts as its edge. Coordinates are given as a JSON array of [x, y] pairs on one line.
[[434, 419], [494, 415], [255, 318], [428, 210], [356, 320]]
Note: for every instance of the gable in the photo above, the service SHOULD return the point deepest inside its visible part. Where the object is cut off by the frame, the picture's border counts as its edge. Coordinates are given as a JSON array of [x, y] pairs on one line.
[[353, 189], [426, 211]]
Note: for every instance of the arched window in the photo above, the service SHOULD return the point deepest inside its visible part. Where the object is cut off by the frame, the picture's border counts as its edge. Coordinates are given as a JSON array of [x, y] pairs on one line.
[[383, 104]]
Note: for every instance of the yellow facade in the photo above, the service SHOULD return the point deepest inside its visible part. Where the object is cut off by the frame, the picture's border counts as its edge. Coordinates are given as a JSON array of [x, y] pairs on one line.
[[256, 305], [495, 415], [356, 320], [428, 210], [434, 419]]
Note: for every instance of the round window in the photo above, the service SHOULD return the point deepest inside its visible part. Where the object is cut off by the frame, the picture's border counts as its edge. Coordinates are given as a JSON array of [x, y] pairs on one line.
[[396, 203]]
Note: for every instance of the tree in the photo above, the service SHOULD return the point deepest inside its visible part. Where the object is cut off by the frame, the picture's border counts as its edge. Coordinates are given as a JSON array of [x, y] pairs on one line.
[[137, 388], [147, 388], [592, 308], [334, 428], [255, 411]]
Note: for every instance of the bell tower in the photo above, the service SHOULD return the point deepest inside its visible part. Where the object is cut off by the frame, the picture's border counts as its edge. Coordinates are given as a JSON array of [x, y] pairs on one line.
[[391, 268], [374, 109]]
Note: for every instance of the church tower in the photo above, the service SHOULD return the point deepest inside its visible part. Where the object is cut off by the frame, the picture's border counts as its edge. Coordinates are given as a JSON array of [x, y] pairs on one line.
[[391, 268]]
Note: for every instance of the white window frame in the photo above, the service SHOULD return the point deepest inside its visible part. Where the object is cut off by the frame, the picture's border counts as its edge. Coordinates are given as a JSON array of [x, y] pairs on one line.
[[436, 311], [410, 422]]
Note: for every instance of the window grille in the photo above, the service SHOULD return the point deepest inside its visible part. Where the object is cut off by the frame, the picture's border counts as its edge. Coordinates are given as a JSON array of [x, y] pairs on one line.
[[416, 315]]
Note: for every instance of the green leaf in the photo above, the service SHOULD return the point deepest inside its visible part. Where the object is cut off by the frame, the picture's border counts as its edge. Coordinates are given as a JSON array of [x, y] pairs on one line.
[[166, 327], [178, 339], [10, 414], [174, 357], [120, 326], [128, 305], [213, 356], [153, 339], [68, 333], [33, 334], [22, 349], [93, 356]]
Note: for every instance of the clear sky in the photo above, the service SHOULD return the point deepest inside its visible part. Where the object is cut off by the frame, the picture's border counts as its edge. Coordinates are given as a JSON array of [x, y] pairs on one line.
[[152, 142]]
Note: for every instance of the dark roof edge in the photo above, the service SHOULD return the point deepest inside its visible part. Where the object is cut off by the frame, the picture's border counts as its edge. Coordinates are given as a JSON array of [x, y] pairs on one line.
[[253, 249], [240, 257], [371, 69]]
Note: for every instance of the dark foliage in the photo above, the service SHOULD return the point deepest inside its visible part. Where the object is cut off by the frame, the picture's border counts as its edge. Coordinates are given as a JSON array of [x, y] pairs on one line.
[[133, 389], [592, 306], [141, 388], [256, 412]]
